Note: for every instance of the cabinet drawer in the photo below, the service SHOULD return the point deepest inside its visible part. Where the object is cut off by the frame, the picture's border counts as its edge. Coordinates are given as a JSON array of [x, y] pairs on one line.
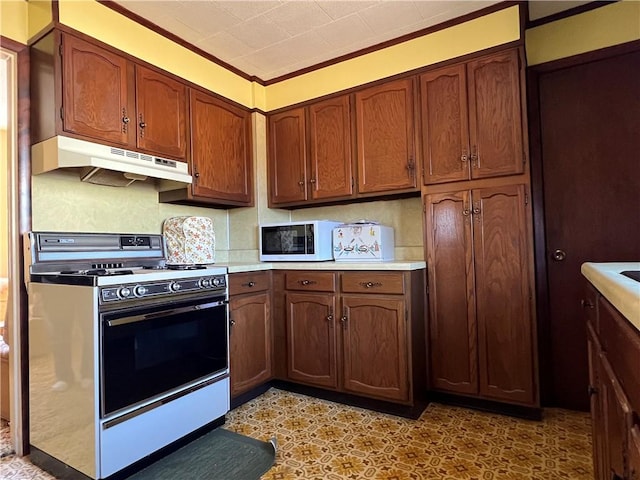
[[373, 282], [248, 282], [311, 281]]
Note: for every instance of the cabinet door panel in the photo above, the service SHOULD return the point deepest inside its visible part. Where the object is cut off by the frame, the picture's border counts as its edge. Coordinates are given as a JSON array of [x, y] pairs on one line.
[[331, 149], [445, 131], [385, 138], [96, 93], [161, 114], [250, 342], [287, 157], [597, 419], [311, 339], [220, 149], [452, 319], [505, 336], [633, 464], [495, 126], [375, 347]]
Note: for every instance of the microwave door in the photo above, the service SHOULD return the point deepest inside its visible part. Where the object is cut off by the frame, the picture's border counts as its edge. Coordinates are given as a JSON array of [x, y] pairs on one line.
[[290, 240]]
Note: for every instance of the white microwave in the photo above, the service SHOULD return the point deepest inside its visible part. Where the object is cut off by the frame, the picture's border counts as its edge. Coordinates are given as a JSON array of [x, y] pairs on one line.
[[304, 241]]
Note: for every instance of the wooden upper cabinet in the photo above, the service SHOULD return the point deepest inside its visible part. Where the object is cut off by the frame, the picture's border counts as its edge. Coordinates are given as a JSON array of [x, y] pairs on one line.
[[331, 144], [97, 93], [161, 114], [503, 294], [221, 161], [287, 157], [495, 115], [452, 316], [445, 126], [472, 120], [385, 141]]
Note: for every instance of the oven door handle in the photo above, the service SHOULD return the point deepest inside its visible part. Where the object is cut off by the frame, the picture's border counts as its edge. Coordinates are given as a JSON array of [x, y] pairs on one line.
[[171, 311]]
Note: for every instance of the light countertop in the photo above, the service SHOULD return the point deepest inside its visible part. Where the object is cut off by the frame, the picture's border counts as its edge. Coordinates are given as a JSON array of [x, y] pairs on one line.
[[330, 265], [623, 292]]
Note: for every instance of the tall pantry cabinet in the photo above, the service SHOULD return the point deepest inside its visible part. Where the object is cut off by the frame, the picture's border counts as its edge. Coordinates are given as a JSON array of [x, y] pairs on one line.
[[478, 231]]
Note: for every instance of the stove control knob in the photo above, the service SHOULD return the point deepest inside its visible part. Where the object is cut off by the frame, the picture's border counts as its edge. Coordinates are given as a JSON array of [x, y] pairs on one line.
[[175, 286], [217, 281], [139, 290], [205, 283], [124, 292]]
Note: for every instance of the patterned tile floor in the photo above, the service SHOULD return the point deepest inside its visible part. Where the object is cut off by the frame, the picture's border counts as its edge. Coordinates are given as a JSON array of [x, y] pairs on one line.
[[318, 439]]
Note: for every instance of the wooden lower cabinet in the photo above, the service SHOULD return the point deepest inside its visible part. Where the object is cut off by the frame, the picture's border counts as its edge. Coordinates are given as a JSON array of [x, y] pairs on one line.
[[374, 346], [311, 339], [481, 327], [614, 349], [250, 339], [365, 337]]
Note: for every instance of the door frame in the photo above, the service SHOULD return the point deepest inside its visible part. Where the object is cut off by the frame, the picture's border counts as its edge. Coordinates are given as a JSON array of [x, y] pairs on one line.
[[534, 74], [19, 219]]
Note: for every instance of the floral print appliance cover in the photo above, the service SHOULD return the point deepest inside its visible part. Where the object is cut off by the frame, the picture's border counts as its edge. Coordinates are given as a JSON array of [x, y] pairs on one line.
[[189, 240]]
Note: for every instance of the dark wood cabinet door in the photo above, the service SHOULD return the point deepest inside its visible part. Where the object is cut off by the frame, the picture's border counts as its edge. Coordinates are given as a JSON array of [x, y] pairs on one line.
[[503, 294], [617, 419], [633, 459], [97, 99], [452, 316], [161, 107], [598, 428], [220, 150], [374, 347], [249, 342], [385, 141], [287, 157], [331, 145], [495, 115], [311, 339], [445, 125]]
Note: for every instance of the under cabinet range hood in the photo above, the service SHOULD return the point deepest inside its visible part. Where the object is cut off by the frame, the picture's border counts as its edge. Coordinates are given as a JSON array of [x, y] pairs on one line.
[[104, 165]]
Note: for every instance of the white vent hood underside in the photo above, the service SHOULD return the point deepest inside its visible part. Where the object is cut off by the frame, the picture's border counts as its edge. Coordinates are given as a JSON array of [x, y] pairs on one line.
[[66, 152]]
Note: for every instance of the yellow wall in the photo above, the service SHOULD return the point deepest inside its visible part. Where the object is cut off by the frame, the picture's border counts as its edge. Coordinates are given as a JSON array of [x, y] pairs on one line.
[[484, 32], [606, 26], [13, 20]]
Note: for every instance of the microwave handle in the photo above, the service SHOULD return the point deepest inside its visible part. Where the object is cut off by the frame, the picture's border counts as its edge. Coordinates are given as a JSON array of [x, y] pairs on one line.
[[171, 311]]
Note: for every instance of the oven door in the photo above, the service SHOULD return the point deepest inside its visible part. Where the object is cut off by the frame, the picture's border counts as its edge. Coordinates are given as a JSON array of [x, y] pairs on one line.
[[148, 352]]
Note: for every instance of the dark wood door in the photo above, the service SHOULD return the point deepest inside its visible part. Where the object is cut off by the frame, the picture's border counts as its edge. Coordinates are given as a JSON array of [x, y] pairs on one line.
[[287, 157], [331, 146], [385, 138], [495, 115], [445, 125], [220, 150], [249, 342], [97, 98], [375, 355], [589, 149], [503, 294], [161, 106], [311, 338], [452, 315]]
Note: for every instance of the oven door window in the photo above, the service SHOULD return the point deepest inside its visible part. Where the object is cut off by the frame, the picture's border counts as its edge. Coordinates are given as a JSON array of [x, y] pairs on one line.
[[149, 351]]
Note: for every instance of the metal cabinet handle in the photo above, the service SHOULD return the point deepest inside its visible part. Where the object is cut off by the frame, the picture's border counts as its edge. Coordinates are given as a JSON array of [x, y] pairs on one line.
[[249, 284], [343, 320], [466, 212], [464, 158], [142, 125], [475, 157], [586, 304], [591, 390], [558, 255], [306, 282], [370, 284], [125, 121], [313, 180]]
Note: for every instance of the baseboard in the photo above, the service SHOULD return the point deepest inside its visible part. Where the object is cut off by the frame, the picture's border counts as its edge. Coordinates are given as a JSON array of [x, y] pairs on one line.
[[512, 410], [250, 395]]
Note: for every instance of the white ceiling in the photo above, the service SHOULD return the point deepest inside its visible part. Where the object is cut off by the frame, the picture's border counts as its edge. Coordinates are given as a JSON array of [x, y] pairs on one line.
[[271, 38]]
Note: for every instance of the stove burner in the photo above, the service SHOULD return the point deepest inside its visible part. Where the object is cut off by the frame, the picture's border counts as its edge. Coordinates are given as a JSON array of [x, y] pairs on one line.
[[185, 267], [101, 272]]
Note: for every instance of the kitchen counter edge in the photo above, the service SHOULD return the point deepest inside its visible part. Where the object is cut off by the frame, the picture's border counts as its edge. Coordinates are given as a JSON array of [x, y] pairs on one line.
[[622, 292], [233, 267]]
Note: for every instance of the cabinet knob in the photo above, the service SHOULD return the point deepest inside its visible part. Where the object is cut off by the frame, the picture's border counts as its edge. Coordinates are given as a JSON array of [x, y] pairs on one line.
[[249, 284], [313, 180], [558, 255], [464, 158], [197, 175], [591, 390], [231, 323], [343, 320], [330, 318], [125, 120], [466, 212], [475, 157]]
